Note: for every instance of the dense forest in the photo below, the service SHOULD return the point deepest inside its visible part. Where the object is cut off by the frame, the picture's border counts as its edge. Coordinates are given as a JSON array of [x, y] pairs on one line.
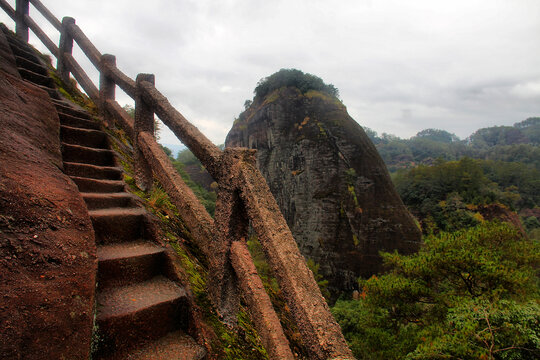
[[468, 294], [472, 291], [517, 143], [293, 78], [446, 181]]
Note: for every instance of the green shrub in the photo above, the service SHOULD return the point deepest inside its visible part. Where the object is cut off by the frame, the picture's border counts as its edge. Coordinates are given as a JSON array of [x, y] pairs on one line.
[[471, 294], [293, 78]]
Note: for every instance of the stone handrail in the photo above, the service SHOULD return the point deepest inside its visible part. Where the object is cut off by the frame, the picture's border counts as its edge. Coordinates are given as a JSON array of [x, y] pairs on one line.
[[244, 198]]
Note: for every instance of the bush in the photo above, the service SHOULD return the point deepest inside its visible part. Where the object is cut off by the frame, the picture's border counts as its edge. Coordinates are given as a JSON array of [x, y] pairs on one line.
[[471, 294], [293, 78]]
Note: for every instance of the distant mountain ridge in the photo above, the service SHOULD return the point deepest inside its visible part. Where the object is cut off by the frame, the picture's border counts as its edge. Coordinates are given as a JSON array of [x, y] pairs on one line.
[[517, 143], [446, 182]]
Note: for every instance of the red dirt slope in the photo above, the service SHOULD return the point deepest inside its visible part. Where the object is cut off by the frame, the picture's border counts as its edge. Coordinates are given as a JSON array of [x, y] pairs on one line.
[[47, 249]]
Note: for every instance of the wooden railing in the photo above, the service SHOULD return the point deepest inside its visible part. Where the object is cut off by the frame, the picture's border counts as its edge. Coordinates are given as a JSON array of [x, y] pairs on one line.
[[244, 198]]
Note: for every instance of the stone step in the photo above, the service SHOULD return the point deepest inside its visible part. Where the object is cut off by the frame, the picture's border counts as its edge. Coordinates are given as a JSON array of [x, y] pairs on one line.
[[96, 185], [116, 225], [21, 50], [84, 137], [69, 109], [53, 93], [140, 313], [128, 263], [32, 66], [96, 200], [136, 314], [77, 122], [13, 39], [174, 345], [36, 78], [92, 171], [87, 155]]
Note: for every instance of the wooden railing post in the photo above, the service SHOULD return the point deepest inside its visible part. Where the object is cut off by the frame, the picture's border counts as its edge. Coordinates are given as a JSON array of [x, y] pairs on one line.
[[22, 8], [107, 86], [65, 47], [231, 265], [144, 122], [230, 224], [320, 332]]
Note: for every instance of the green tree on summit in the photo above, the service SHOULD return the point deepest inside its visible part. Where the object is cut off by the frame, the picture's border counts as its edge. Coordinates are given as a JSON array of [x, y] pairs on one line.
[[294, 78]]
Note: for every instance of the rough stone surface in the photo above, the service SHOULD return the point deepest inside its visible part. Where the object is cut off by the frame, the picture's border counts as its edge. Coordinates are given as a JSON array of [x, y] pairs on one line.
[[199, 175], [530, 212], [500, 212], [329, 182], [47, 251], [7, 60], [176, 345], [261, 310]]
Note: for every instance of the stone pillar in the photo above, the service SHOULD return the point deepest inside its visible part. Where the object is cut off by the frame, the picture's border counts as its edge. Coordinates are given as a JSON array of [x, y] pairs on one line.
[[144, 122], [230, 224], [107, 86], [22, 8], [231, 265], [65, 47]]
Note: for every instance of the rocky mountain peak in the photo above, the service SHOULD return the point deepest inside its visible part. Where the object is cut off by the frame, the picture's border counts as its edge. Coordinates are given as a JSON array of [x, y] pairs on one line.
[[328, 179]]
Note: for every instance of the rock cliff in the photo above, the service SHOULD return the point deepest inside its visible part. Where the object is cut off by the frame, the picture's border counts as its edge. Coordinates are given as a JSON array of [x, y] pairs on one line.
[[329, 181], [47, 249]]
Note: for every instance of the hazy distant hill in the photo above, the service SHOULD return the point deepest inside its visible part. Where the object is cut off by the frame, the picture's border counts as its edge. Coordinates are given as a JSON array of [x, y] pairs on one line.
[[518, 143], [446, 181]]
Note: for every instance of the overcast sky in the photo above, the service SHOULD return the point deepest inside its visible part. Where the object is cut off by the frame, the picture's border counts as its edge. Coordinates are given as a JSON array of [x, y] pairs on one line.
[[400, 66]]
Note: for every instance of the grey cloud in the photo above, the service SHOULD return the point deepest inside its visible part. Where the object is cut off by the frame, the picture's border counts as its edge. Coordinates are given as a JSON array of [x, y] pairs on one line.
[[456, 65]]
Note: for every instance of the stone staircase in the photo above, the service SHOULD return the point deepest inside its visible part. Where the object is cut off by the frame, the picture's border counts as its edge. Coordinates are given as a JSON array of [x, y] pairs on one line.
[[141, 312]]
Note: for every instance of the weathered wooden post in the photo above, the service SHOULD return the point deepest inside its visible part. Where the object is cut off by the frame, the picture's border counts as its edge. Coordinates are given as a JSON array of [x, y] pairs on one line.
[[107, 86], [144, 122], [22, 8], [231, 224], [66, 47], [320, 332], [232, 266]]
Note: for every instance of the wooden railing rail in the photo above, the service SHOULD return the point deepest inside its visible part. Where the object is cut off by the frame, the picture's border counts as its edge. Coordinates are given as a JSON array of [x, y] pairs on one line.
[[244, 198], [208, 153], [81, 77], [91, 52], [47, 14], [8, 9], [119, 78], [42, 36]]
